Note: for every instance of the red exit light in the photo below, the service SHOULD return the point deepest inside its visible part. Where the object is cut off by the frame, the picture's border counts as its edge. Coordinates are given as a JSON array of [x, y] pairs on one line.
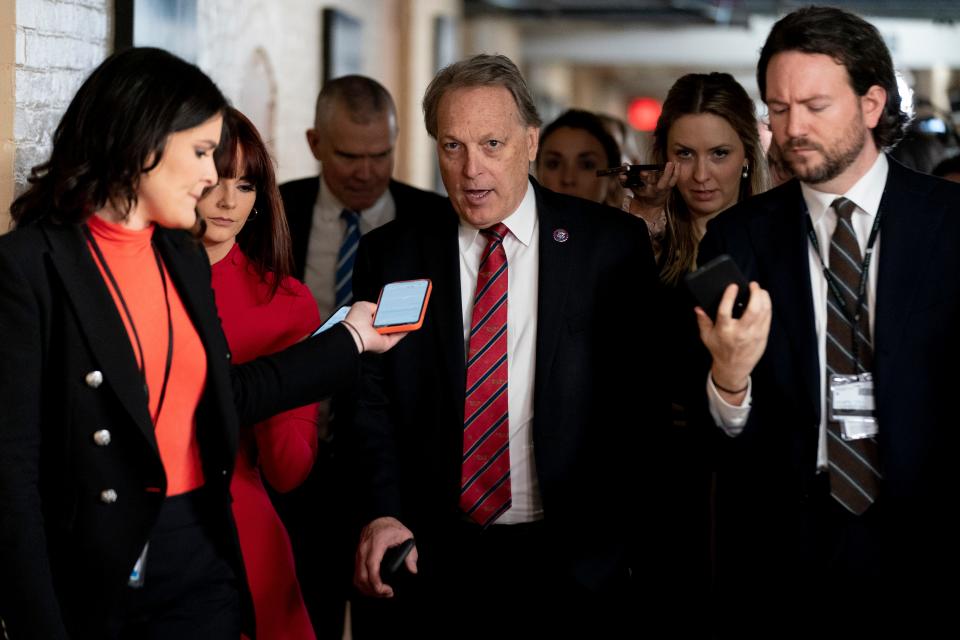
[[643, 113]]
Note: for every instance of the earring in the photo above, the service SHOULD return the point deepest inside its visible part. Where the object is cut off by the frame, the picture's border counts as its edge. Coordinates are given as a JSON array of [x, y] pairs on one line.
[[253, 214], [746, 171]]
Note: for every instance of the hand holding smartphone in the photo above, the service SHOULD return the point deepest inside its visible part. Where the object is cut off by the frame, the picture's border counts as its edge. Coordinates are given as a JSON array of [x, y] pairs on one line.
[[632, 172], [402, 306], [708, 283], [392, 566]]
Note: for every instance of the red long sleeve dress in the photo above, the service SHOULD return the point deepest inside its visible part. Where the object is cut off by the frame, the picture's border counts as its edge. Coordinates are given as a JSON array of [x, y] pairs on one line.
[[281, 449]]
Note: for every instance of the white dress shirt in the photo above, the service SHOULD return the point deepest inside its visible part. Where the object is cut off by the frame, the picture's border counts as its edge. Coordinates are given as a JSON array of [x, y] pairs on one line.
[[326, 235], [522, 246], [866, 194]]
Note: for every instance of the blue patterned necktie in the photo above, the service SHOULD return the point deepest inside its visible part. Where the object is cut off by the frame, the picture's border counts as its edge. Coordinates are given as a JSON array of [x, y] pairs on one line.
[[343, 287]]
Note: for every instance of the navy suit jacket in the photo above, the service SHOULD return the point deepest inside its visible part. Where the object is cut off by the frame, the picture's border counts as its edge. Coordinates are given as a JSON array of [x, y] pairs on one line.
[[767, 488], [596, 409]]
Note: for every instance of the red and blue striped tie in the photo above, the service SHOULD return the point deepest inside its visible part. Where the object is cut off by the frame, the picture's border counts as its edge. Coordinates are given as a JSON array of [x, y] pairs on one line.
[[485, 478]]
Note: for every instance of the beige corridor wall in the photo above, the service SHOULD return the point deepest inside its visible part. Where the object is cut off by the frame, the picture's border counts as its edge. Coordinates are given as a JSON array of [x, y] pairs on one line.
[[397, 37], [418, 152], [290, 35]]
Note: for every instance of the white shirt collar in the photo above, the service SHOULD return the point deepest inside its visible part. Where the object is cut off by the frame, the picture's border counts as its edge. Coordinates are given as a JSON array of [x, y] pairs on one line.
[[521, 223], [865, 193]]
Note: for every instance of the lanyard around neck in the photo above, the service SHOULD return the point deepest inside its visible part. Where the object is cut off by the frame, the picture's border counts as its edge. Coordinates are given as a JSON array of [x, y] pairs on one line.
[[133, 327], [852, 317]]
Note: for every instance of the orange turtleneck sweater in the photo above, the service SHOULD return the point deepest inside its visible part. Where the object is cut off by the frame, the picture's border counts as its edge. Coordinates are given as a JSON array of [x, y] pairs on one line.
[[129, 255]]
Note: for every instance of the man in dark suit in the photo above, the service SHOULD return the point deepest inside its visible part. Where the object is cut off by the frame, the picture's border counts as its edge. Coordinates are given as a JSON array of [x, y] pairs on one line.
[[826, 503], [354, 135], [510, 435]]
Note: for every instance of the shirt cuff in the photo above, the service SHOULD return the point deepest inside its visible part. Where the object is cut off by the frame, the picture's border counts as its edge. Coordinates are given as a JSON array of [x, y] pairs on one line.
[[731, 418]]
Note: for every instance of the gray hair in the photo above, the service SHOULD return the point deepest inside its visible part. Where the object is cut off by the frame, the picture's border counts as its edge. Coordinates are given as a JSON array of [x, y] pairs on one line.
[[482, 70], [364, 99]]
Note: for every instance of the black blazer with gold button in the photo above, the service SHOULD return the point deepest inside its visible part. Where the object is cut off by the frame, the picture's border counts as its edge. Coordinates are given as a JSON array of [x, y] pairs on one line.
[[67, 548]]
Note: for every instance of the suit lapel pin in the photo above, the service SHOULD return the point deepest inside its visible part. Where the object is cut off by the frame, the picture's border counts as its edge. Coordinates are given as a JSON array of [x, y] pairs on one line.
[[560, 235]]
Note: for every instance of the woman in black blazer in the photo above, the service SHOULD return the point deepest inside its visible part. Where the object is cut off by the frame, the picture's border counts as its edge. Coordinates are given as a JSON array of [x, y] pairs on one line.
[[92, 543]]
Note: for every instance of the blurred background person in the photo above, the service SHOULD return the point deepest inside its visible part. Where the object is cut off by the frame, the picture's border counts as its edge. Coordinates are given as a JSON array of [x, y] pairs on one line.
[[354, 138], [121, 409], [708, 131], [631, 152], [572, 148], [262, 309], [779, 170], [949, 169], [929, 138], [629, 143], [708, 136]]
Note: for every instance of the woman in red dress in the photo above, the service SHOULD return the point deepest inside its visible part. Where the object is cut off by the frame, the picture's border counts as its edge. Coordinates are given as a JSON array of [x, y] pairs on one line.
[[263, 310]]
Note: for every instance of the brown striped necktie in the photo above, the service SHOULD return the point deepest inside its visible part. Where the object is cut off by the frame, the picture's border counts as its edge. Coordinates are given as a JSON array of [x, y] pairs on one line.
[[854, 464]]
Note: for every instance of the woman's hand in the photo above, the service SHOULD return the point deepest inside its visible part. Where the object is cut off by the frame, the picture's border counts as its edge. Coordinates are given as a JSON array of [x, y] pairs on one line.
[[359, 321], [650, 197]]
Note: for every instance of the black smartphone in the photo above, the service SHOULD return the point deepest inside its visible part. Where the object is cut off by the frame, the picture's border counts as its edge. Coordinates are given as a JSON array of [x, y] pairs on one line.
[[632, 172], [708, 283], [391, 567]]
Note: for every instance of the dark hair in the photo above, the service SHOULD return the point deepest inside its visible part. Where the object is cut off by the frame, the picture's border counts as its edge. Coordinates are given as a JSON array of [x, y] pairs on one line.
[[589, 122], [718, 94], [265, 238], [113, 131], [947, 166], [850, 41], [483, 70], [363, 98], [625, 137]]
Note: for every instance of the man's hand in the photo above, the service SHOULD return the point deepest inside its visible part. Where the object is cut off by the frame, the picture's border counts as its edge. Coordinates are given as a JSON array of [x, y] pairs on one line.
[[736, 344], [375, 539]]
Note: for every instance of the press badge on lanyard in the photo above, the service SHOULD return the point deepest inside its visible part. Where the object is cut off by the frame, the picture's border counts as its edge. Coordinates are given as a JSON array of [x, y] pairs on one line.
[[136, 576], [852, 405], [851, 396]]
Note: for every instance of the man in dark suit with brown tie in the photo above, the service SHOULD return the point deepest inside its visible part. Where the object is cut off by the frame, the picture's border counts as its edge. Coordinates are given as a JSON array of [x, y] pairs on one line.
[[515, 434], [834, 389]]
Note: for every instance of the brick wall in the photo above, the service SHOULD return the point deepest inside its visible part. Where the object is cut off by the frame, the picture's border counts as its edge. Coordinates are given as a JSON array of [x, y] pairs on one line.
[[58, 42]]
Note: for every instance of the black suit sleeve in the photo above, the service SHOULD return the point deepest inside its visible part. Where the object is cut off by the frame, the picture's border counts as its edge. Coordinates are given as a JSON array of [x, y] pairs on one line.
[[306, 372], [371, 438]]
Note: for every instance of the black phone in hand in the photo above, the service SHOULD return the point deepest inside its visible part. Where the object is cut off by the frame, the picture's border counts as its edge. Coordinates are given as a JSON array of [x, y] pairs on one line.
[[708, 283], [392, 567]]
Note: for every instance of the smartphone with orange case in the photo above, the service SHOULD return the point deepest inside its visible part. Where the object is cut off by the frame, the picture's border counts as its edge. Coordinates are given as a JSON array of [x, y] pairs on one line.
[[402, 306]]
